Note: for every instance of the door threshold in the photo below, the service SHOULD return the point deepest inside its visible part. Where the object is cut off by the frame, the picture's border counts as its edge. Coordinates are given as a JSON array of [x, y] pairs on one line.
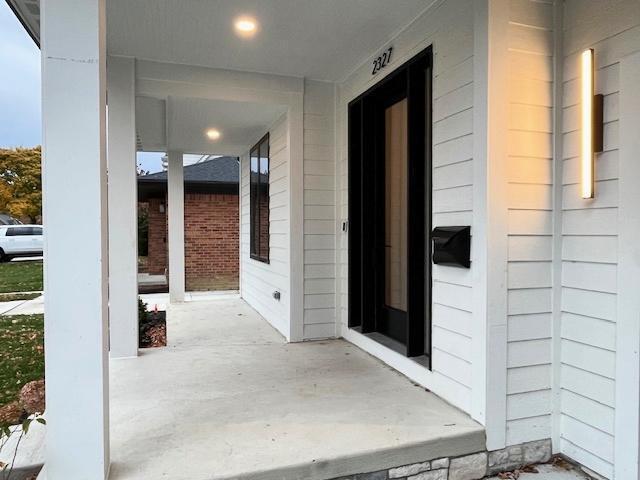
[[391, 344]]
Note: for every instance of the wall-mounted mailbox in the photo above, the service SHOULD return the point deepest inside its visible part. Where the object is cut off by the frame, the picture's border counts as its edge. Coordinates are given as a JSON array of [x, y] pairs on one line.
[[452, 246]]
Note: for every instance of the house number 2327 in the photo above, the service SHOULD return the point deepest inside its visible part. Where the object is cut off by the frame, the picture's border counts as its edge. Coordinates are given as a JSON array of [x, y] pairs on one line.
[[382, 61]]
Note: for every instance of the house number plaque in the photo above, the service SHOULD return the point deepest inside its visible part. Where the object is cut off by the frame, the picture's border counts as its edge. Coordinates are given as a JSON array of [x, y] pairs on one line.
[[382, 61]]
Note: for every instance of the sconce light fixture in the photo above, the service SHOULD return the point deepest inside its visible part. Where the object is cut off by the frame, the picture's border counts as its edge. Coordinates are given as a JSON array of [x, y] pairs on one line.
[[591, 123]]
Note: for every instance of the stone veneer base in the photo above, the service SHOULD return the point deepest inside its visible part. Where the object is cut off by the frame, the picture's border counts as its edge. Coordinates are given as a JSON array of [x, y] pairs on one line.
[[468, 467]]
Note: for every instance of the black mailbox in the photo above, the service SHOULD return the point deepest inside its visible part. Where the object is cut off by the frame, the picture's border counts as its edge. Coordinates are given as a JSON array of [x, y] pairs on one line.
[[452, 246]]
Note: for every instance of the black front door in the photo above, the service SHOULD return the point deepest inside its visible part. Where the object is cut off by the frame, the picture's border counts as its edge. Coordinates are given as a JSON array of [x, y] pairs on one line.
[[389, 208]]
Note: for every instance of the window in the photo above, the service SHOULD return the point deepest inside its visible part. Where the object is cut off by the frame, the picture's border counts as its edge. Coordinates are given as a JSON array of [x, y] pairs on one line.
[[259, 200], [18, 232]]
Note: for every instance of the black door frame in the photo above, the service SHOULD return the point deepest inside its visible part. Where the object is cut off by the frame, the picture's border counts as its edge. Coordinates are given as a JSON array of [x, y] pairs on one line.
[[366, 192]]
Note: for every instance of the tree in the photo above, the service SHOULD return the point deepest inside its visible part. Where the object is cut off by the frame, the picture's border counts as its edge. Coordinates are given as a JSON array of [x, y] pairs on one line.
[[21, 182]]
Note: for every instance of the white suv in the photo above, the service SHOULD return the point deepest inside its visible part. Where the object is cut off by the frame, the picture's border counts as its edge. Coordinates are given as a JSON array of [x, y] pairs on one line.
[[20, 241]]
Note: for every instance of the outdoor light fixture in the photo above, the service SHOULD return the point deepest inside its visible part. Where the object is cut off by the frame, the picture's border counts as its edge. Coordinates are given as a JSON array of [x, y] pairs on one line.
[[213, 134], [591, 123], [246, 27]]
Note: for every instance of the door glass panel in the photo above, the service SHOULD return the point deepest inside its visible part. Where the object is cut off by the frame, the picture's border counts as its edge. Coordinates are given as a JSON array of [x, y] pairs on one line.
[[395, 214]]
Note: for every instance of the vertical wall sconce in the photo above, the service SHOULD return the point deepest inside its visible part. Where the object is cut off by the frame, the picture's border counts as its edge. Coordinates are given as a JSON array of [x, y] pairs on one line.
[[592, 125]]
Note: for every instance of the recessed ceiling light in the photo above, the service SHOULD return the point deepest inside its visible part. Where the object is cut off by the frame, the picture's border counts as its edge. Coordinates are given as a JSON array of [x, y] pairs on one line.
[[246, 27], [213, 134]]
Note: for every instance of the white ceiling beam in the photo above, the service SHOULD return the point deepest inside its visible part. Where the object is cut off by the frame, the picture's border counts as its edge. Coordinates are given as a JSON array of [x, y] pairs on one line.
[[161, 80]]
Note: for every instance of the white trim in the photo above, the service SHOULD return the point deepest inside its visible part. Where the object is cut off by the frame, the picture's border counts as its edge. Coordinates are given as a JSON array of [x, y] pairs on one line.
[[160, 80], [340, 235], [490, 117], [558, 62], [478, 246], [409, 368], [627, 419], [295, 130]]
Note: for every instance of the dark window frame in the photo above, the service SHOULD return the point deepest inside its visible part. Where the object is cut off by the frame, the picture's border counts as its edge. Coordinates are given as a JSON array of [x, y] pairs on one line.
[[415, 78], [258, 182]]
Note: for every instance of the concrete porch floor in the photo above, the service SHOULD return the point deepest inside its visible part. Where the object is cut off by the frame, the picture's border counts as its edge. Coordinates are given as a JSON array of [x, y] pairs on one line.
[[228, 398]]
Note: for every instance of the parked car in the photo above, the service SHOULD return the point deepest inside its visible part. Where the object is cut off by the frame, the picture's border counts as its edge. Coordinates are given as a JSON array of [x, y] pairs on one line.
[[20, 241], [6, 219]]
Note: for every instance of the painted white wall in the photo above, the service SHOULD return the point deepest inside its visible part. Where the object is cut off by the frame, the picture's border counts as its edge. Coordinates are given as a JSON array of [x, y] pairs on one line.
[[319, 211], [123, 208], [591, 250], [75, 183], [260, 280], [449, 27]]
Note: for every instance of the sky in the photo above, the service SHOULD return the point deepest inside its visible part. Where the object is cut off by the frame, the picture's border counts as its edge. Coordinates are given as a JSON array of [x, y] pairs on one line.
[[20, 118]]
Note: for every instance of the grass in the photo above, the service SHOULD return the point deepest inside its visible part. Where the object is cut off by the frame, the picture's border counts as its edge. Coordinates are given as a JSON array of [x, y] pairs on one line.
[[20, 277], [21, 353]]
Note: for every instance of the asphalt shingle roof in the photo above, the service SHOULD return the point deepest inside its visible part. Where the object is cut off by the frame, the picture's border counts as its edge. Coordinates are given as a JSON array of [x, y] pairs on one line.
[[212, 170]]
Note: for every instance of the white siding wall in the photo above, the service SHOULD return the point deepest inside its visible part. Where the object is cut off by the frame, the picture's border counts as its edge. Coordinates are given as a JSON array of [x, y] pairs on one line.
[[530, 205], [259, 280], [589, 236], [319, 211], [449, 28]]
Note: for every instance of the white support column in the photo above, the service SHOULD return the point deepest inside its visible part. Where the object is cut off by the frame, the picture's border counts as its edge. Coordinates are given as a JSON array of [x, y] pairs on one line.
[[76, 257], [123, 203], [490, 212], [175, 191]]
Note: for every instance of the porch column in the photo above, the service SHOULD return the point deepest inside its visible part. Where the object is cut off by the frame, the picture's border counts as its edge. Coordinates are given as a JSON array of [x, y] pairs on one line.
[[490, 213], [175, 192], [75, 252], [123, 206]]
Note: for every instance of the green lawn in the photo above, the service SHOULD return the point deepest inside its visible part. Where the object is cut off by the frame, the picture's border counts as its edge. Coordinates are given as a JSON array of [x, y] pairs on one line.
[[21, 353], [20, 277]]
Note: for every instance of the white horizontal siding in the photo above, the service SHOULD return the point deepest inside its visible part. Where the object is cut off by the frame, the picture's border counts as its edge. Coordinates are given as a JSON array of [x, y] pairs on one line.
[[589, 235], [259, 280], [319, 211], [453, 205], [530, 204]]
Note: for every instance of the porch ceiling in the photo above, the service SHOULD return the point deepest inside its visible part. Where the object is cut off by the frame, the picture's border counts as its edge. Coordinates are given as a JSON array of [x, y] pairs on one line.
[[322, 40], [187, 119]]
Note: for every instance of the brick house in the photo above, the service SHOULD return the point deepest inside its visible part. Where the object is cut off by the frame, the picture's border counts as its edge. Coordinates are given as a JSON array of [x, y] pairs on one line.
[[211, 213]]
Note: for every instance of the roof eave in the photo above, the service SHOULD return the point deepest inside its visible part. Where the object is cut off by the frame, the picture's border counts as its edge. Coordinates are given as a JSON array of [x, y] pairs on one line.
[[34, 35]]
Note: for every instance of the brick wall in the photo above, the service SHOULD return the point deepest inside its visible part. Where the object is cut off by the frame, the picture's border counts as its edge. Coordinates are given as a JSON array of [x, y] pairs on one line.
[[211, 241], [157, 258]]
